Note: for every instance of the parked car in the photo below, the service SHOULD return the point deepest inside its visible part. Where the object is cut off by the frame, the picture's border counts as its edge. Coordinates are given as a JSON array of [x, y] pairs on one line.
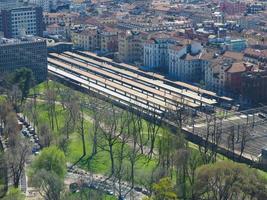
[[73, 187]]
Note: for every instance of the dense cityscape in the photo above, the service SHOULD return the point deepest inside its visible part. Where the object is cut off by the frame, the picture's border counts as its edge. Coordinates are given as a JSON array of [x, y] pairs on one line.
[[133, 99]]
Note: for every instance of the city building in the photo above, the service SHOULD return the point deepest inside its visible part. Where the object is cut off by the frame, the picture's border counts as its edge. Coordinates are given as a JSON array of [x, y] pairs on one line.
[[86, 39], [45, 4], [180, 60], [215, 67], [108, 40], [256, 56], [60, 18], [56, 29], [21, 21], [156, 52], [185, 63], [29, 52], [130, 46], [237, 45], [233, 75], [232, 7], [255, 8], [254, 86]]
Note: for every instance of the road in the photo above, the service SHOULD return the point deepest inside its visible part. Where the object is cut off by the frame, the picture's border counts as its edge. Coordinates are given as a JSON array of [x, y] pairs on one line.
[[103, 183]]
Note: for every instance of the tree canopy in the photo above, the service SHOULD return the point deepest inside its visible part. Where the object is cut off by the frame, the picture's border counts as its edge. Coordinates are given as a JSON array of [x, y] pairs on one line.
[[24, 78], [51, 159], [228, 180]]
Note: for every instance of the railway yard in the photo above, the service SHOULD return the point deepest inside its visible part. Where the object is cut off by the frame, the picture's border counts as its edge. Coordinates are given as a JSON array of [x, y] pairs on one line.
[[245, 132]]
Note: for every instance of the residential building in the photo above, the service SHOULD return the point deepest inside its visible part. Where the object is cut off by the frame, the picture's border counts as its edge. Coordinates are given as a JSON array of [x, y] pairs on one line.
[[256, 56], [215, 66], [7, 4], [185, 63], [233, 75], [254, 86], [87, 39], [56, 29], [29, 52], [45, 4], [156, 52], [60, 18], [233, 7], [20, 21], [130, 46], [108, 40]]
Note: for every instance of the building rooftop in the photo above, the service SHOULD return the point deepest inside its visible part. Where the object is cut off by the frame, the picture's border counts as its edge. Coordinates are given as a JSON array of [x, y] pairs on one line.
[[20, 40]]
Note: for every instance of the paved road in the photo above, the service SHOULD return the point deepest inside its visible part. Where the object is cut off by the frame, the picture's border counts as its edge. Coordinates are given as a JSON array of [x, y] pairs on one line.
[[102, 182]]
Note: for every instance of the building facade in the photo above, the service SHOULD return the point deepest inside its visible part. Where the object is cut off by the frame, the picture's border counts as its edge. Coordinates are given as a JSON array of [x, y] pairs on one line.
[[87, 39], [130, 46], [60, 18], [29, 52], [156, 53], [22, 21], [254, 86]]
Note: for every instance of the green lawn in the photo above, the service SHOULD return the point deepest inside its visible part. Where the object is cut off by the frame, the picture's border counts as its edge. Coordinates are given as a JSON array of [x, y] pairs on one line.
[[101, 162], [90, 194]]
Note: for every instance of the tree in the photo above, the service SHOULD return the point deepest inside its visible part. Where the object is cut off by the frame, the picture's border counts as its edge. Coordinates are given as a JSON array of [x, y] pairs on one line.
[[5, 108], [11, 128], [14, 194], [16, 157], [45, 135], [23, 77], [51, 159], [228, 180], [49, 183], [51, 95], [70, 102], [164, 190], [111, 129], [3, 175]]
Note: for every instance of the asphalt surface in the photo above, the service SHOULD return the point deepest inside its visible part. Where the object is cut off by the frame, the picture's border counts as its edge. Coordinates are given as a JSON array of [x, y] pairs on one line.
[[103, 183]]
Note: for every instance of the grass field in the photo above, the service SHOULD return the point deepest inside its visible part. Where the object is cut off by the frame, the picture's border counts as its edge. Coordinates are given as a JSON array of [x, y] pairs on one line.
[[101, 162]]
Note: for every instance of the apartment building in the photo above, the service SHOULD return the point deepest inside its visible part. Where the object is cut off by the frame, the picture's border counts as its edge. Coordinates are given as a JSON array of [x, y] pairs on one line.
[[108, 40], [256, 55], [30, 52], [87, 39], [156, 52], [233, 7], [130, 46], [45, 4], [254, 86], [60, 18], [180, 60], [185, 63], [215, 69]]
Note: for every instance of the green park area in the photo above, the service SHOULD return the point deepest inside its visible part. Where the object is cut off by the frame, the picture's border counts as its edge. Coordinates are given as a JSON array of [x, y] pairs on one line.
[[107, 141]]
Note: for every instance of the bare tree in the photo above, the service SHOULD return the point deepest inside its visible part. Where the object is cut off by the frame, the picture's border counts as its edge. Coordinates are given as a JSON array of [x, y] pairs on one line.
[[110, 131], [82, 133], [16, 157], [45, 135], [51, 97], [245, 137], [70, 102], [11, 128]]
